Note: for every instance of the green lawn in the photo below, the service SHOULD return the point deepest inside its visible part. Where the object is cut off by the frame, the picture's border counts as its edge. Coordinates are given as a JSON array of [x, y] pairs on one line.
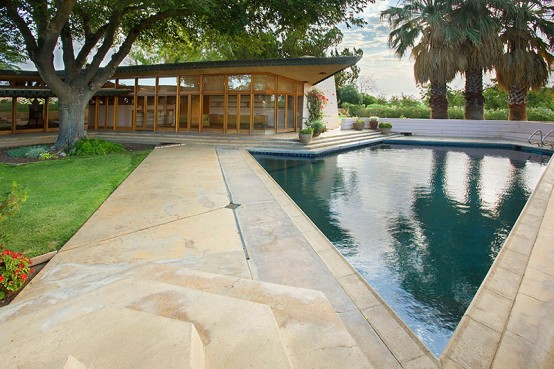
[[62, 195]]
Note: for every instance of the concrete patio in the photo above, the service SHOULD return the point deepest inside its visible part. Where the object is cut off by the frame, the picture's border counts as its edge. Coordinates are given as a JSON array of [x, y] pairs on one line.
[[200, 260]]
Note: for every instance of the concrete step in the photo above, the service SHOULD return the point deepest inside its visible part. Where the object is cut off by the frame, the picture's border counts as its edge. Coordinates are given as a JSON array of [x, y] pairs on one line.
[[236, 333], [312, 333], [110, 337]]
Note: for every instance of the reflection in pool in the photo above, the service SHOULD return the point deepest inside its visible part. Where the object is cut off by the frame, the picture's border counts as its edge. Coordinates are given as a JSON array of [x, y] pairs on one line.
[[421, 224]]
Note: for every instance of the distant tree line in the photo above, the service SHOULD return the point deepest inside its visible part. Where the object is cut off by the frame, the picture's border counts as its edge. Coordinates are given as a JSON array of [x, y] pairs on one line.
[[352, 102]]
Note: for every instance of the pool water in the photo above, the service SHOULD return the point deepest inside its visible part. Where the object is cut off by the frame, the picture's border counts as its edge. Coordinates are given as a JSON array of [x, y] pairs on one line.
[[421, 224]]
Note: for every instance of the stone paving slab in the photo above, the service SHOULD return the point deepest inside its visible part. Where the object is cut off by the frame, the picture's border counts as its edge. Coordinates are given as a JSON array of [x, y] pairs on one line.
[[142, 340]]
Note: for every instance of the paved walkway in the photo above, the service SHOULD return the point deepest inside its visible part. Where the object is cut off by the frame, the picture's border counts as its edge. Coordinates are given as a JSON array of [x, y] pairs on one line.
[[216, 210]]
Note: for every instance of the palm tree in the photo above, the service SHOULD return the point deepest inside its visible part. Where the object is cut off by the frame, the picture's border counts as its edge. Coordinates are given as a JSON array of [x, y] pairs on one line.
[[528, 38], [479, 44], [424, 26]]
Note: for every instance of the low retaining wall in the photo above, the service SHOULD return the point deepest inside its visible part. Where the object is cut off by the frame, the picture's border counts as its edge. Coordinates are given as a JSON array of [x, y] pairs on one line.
[[504, 129]]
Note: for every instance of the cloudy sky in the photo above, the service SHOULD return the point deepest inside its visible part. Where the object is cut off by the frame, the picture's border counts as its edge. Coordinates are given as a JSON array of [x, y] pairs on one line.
[[391, 75]]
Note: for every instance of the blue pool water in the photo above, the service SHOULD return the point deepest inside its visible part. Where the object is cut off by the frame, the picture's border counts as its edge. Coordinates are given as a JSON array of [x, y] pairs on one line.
[[421, 224]]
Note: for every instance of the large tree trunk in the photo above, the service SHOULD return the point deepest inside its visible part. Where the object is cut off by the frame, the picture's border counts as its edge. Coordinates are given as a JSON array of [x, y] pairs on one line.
[[518, 103], [473, 94], [438, 101], [72, 120]]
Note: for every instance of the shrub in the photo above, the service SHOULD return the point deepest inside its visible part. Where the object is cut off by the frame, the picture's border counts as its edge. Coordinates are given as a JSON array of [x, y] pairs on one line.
[[318, 126], [456, 112], [307, 131], [385, 125], [94, 146], [14, 270], [374, 119], [496, 114], [27, 151], [46, 156], [540, 114]]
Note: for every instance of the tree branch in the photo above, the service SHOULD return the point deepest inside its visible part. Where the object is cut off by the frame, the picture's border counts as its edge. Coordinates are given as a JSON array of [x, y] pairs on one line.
[[125, 47], [68, 53], [30, 42]]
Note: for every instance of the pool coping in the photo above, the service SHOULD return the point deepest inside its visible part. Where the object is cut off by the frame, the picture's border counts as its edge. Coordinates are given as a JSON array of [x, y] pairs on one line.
[[407, 140], [478, 339]]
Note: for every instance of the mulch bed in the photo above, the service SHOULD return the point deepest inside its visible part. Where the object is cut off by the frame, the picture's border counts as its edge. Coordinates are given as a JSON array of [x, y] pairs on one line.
[[4, 158]]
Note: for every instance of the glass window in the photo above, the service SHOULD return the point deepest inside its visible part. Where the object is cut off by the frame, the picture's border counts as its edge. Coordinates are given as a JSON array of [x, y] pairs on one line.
[[30, 113], [300, 112], [190, 83], [125, 106], [214, 83], [145, 112], [127, 84], [245, 112], [290, 112], [232, 112], [4, 83], [239, 82], [183, 113], [166, 112], [264, 112], [53, 114], [264, 82], [286, 85], [146, 86], [6, 113], [212, 115], [195, 112], [167, 86], [281, 103]]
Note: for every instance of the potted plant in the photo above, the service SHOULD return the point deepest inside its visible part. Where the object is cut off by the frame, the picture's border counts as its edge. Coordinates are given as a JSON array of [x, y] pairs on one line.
[[305, 135], [385, 127], [359, 124], [318, 127], [373, 121]]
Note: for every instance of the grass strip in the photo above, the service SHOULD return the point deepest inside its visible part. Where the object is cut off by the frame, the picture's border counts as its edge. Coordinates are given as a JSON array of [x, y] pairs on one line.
[[62, 195]]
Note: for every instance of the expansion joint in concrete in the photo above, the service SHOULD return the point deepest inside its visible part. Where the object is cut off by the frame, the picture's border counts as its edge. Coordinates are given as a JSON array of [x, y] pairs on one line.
[[234, 206]]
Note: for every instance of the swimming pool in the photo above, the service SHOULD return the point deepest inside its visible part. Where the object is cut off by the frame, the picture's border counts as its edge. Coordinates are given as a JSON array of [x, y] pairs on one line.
[[421, 224]]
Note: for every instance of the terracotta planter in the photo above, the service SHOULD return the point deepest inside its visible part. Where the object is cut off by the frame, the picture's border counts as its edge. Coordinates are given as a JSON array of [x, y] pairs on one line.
[[305, 138], [316, 133], [373, 125], [385, 131], [358, 126]]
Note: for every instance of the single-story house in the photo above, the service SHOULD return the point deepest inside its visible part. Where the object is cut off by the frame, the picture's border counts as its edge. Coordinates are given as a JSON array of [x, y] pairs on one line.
[[235, 97]]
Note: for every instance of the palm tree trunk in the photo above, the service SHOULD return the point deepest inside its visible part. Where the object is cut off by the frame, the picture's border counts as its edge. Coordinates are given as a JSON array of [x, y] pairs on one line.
[[438, 101], [473, 94], [518, 103]]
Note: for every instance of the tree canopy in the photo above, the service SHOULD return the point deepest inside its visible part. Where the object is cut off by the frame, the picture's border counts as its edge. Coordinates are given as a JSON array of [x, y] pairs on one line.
[[91, 33]]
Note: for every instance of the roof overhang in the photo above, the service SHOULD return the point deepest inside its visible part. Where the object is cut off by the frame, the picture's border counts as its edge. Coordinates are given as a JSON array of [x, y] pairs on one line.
[[307, 69]]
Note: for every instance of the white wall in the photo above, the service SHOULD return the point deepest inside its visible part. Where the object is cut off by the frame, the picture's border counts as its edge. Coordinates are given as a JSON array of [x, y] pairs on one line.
[[331, 111], [463, 128]]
